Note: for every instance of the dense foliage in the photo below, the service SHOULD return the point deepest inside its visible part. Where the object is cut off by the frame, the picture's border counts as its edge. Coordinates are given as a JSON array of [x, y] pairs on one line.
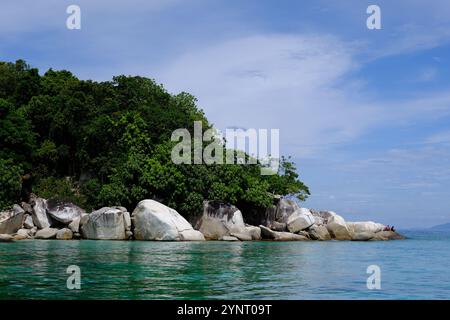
[[108, 143]]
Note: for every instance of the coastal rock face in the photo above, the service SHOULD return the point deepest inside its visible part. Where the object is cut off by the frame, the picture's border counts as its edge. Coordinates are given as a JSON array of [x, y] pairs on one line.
[[220, 219], [322, 217], [64, 212], [155, 221], [300, 220], [46, 233], [365, 226], [269, 234], [11, 220], [107, 223], [338, 228], [285, 208], [319, 232], [40, 217]]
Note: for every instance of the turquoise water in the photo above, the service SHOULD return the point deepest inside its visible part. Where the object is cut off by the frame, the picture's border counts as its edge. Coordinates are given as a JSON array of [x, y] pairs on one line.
[[417, 268]]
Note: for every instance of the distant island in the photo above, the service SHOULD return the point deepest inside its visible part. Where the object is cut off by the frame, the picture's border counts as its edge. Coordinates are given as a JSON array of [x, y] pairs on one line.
[[441, 227]]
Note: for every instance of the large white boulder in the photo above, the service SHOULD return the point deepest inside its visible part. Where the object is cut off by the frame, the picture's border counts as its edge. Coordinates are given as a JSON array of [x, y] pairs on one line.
[[220, 219], [155, 221], [365, 226], [322, 217], [285, 208], [338, 228], [46, 233], [64, 234], [11, 220], [300, 220], [40, 216], [107, 223], [64, 212]]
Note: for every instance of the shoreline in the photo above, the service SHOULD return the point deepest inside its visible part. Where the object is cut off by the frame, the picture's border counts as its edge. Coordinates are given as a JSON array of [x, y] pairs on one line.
[[42, 219]]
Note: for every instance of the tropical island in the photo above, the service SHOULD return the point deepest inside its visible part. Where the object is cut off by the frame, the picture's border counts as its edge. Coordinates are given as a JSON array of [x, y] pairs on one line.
[[77, 156]]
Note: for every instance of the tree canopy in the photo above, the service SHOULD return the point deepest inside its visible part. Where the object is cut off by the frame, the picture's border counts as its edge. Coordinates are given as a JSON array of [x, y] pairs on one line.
[[108, 143]]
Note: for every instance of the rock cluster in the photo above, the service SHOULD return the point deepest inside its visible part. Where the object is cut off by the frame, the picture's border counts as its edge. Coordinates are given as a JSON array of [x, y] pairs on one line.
[[151, 220]]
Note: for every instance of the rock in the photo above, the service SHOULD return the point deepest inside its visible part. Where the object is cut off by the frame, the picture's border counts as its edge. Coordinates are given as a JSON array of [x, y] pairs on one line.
[[319, 232], [19, 237], [127, 220], [254, 232], [40, 216], [363, 236], [228, 238], [33, 231], [64, 234], [242, 236], [155, 221], [6, 238], [285, 208], [129, 234], [278, 226], [64, 212], [27, 207], [300, 220], [28, 222], [76, 235], [366, 226], [191, 235], [104, 224], [46, 233], [321, 217], [266, 233], [24, 233], [11, 220], [338, 228], [388, 235], [74, 226], [220, 219]]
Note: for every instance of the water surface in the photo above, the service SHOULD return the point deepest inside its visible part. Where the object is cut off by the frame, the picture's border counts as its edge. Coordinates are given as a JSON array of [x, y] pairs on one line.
[[416, 268]]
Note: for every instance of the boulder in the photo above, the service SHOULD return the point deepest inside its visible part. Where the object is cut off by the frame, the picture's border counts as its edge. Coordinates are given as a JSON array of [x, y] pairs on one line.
[[24, 233], [220, 219], [64, 234], [278, 226], [127, 220], [388, 235], [155, 221], [20, 237], [299, 220], [74, 226], [64, 212], [228, 238], [28, 222], [11, 220], [321, 217], [40, 216], [254, 232], [285, 208], [6, 238], [104, 224], [363, 236], [267, 233], [46, 233], [27, 207], [365, 226], [242, 236], [338, 228], [319, 232]]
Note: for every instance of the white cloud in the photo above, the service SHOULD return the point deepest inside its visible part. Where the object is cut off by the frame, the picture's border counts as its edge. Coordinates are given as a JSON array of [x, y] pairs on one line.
[[289, 82]]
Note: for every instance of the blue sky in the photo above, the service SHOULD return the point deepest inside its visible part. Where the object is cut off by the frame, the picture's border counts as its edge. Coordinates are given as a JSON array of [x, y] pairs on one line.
[[364, 113]]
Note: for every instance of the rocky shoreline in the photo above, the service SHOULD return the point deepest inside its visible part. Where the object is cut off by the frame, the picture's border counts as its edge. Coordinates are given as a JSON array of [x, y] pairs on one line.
[[153, 221]]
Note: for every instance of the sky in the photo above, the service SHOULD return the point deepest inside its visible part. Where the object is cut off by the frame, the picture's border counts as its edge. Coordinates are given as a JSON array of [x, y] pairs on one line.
[[365, 114]]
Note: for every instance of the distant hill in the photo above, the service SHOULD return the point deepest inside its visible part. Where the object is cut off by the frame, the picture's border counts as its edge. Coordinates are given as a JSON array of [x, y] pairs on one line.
[[442, 227]]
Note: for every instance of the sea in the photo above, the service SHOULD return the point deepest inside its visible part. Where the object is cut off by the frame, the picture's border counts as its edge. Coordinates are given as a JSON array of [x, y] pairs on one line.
[[415, 268]]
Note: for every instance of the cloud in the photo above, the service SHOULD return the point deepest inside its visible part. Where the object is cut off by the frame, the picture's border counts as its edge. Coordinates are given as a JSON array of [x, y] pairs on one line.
[[295, 83]]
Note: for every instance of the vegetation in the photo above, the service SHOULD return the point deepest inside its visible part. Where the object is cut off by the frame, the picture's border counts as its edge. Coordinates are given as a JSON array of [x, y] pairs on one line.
[[108, 143]]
